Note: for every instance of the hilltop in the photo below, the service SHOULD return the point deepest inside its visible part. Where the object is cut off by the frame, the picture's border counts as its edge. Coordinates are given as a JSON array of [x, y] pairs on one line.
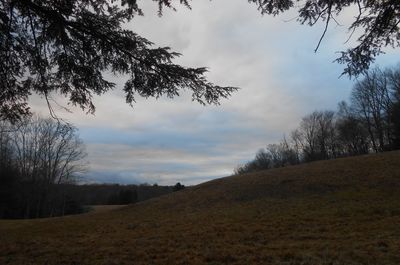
[[343, 211]]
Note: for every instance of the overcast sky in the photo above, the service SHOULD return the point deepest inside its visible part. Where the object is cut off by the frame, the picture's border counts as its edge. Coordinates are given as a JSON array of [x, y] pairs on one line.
[[271, 59]]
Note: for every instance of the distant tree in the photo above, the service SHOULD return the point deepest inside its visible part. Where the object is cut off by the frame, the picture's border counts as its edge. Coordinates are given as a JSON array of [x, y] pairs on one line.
[[372, 100], [316, 135], [178, 186], [71, 206], [103, 194], [127, 196], [113, 199], [8, 173], [371, 122], [276, 154], [309, 136], [352, 132], [290, 152], [262, 160], [49, 149], [395, 115], [273, 156], [327, 134], [394, 88], [296, 143], [282, 154], [250, 166], [36, 156]]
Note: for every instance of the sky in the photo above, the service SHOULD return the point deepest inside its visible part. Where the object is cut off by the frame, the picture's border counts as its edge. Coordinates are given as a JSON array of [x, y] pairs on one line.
[[271, 59]]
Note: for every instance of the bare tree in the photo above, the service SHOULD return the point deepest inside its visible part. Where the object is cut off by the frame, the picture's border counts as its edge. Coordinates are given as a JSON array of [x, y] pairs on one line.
[[296, 143], [372, 100], [316, 136], [352, 132], [370, 123], [308, 132], [44, 153], [394, 88], [263, 159], [327, 135]]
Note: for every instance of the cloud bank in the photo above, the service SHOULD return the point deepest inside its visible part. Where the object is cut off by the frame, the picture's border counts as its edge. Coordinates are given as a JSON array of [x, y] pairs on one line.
[[271, 59]]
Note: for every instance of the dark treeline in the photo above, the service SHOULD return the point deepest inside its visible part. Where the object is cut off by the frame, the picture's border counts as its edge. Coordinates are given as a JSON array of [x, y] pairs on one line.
[[369, 122], [41, 161], [36, 156], [101, 194]]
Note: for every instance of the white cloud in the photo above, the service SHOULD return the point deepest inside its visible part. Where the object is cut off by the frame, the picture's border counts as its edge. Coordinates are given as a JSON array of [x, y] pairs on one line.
[[273, 62]]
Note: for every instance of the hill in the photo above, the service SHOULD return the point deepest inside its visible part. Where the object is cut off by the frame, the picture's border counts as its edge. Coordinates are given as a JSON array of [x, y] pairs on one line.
[[344, 211]]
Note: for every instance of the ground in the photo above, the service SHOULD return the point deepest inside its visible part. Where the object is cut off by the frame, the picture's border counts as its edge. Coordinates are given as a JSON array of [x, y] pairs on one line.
[[344, 211]]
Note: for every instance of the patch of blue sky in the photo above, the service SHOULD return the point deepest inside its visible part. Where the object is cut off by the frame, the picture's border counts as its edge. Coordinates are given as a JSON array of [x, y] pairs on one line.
[[215, 128]]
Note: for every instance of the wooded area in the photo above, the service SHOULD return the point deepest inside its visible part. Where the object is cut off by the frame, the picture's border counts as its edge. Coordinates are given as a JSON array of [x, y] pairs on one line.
[[66, 47], [41, 163], [369, 123], [101, 194], [36, 155]]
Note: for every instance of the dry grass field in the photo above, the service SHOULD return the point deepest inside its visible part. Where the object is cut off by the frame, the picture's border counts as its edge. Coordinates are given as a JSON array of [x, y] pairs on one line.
[[339, 212], [95, 209]]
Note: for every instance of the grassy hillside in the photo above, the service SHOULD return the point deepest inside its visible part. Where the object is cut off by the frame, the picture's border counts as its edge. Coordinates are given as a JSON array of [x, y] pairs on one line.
[[338, 212]]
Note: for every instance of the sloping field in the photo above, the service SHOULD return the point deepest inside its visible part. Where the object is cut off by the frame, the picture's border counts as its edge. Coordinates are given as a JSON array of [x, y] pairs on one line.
[[339, 212]]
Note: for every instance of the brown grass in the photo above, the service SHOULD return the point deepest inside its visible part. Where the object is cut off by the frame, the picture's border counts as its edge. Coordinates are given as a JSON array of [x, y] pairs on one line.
[[94, 209], [338, 212]]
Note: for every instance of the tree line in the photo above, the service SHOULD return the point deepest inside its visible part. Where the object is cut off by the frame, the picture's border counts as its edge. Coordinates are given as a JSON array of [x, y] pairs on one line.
[[368, 123], [41, 164], [101, 194], [37, 155]]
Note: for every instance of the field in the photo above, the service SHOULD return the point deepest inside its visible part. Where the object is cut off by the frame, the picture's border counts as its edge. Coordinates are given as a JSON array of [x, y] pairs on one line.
[[95, 209], [338, 212]]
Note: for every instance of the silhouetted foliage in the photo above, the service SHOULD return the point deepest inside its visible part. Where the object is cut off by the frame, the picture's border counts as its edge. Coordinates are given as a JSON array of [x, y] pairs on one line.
[[178, 186], [370, 123], [376, 21], [395, 116], [102, 194], [125, 196], [128, 196], [72, 206], [351, 130], [66, 46]]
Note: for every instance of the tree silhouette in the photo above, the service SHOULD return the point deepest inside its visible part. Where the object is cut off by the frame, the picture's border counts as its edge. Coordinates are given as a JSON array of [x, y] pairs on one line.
[[66, 46], [376, 21], [370, 123], [178, 186], [38, 156]]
